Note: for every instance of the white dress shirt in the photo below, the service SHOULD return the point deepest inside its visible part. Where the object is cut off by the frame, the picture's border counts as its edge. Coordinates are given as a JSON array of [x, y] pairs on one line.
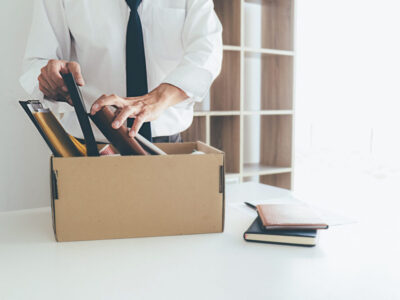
[[183, 47]]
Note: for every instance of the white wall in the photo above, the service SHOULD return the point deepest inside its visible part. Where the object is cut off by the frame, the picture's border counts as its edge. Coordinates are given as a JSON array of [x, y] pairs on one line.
[[348, 104], [348, 77], [24, 158]]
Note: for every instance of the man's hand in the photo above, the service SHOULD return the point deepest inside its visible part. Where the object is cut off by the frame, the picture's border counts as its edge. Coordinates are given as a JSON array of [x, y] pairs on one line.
[[144, 109], [51, 83]]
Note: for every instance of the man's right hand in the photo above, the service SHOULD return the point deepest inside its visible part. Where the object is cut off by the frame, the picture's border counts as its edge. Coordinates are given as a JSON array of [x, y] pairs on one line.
[[51, 83]]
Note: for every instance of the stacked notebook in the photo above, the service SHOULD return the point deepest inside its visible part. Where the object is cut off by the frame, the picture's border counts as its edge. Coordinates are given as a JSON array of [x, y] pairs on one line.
[[63, 144], [291, 224]]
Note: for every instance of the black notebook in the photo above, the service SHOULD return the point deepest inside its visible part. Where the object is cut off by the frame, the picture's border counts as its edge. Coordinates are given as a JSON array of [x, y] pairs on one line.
[[256, 233], [82, 114]]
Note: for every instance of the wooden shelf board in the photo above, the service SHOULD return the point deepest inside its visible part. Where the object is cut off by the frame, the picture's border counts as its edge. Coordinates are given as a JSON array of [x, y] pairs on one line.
[[232, 178], [268, 112], [232, 48], [259, 50], [232, 175], [256, 169], [217, 113], [269, 51], [200, 113]]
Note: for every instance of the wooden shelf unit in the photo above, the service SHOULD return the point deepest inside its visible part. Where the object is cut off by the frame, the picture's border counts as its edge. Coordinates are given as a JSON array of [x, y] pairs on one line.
[[250, 111]]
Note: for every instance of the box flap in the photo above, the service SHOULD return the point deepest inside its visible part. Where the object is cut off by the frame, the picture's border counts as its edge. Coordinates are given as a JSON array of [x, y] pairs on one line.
[[177, 148], [188, 148], [207, 148]]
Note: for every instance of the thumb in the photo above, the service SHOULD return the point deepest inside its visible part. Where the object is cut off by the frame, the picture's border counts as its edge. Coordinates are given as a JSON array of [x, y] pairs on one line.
[[75, 70], [63, 67]]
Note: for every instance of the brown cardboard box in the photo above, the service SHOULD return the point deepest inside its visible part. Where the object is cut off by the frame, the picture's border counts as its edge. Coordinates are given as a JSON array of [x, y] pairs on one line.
[[136, 196]]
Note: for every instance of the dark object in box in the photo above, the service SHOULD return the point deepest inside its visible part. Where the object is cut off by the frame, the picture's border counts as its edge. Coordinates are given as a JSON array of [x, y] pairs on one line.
[[118, 137], [81, 112]]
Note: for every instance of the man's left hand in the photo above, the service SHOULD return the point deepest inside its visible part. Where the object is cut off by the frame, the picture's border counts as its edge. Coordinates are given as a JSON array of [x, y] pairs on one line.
[[144, 108]]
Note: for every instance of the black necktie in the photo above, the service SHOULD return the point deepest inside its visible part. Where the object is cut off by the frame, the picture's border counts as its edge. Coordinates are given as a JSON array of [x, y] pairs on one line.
[[136, 75]]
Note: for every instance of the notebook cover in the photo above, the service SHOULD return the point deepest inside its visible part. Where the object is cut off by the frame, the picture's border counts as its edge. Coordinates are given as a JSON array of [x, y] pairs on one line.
[[24, 105], [289, 216], [118, 137], [57, 139], [82, 114], [256, 228], [57, 136]]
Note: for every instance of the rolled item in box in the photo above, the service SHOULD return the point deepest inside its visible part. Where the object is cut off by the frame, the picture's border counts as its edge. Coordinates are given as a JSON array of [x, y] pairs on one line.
[[118, 137]]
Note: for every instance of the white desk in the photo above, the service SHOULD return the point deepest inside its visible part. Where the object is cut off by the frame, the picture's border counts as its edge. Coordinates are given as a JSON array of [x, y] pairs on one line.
[[345, 264]]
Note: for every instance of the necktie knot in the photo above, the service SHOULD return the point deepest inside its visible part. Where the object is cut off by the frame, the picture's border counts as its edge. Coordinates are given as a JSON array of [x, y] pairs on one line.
[[133, 4]]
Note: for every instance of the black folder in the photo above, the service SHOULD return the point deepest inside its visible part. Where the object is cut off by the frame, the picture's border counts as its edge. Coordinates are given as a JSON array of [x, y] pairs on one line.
[[24, 105], [82, 114], [57, 139]]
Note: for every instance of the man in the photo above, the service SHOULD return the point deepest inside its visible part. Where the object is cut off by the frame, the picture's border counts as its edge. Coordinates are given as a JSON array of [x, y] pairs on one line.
[[118, 52]]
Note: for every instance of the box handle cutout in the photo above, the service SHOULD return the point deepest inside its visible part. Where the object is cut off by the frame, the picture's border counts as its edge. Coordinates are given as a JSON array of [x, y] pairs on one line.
[[221, 179], [54, 186]]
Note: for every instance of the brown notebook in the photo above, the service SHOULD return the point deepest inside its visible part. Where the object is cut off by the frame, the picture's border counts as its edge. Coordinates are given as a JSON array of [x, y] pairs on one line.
[[289, 216], [118, 137]]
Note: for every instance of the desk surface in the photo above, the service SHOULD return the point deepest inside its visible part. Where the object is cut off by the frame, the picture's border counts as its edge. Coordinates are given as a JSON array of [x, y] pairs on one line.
[[349, 262]]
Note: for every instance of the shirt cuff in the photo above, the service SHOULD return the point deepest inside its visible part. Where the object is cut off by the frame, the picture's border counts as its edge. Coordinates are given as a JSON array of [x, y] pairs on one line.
[[195, 82], [29, 80]]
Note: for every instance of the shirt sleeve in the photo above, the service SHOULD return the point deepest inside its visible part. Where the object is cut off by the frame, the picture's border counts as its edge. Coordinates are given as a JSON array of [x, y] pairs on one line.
[[49, 38], [202, 42]]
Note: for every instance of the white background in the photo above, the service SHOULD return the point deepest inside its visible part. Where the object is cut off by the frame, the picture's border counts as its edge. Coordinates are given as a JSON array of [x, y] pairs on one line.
[[347, 95], [347, 104], [24, 158]]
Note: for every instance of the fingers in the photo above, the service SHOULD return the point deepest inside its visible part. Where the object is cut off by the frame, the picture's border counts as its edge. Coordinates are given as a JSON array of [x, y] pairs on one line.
[[129, 111], [105, 100], [137, 124], [51, 82], [69, 100], [97, 105], [75, 70], [54, 75], [139, 98], [64, 67], [48, 92], [45, 87], [121, 117]]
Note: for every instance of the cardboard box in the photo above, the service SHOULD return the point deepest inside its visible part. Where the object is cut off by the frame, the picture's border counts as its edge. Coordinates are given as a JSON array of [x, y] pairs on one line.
[[137, 196]]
